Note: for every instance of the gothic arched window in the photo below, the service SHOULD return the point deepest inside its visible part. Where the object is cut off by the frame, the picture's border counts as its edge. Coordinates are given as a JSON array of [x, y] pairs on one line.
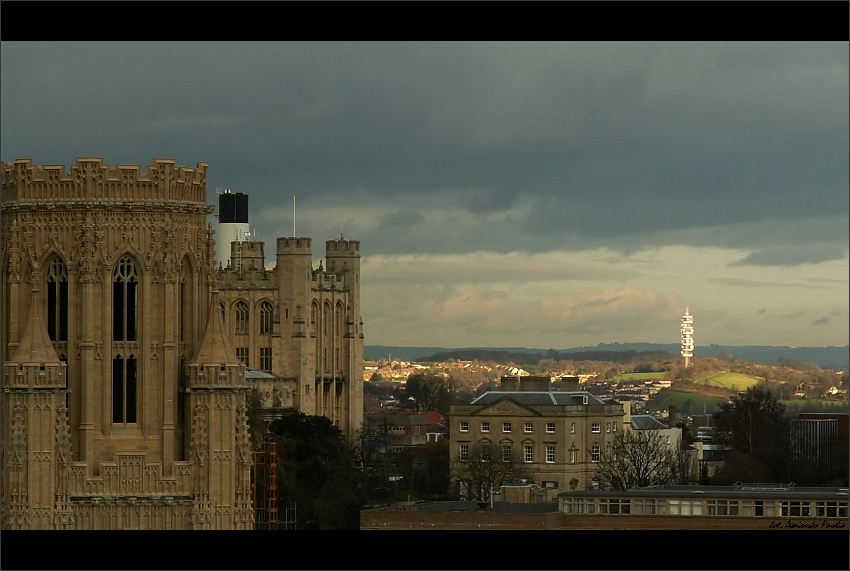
[[57, 300], [242, 318], [266, 311], [125, 301], [124, 390]]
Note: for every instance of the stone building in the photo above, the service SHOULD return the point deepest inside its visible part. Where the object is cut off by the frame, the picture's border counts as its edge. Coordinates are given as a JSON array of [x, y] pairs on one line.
[[125, 348], [557, 435], [299, 323]]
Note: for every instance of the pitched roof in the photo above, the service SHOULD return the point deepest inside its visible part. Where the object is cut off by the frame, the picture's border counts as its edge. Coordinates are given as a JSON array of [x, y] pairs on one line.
[[35, 345], [646, 422], [215, 346], [436, 429], [539, 397]]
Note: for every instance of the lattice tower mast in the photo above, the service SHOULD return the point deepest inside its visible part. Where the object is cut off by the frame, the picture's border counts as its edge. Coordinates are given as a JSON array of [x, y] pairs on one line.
[[687, 337]]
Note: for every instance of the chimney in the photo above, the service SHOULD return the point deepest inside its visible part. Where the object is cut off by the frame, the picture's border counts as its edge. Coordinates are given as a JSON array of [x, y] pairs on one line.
[[569, 383], [627, 412], [509, 383], [532, 383]]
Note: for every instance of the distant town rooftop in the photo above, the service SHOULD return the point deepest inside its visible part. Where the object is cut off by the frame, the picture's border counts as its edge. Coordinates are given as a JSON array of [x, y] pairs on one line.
[[645, 422]]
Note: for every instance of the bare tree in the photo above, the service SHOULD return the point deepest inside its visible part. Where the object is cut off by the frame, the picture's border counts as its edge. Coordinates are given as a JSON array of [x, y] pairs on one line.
[[684, 464], [636, 458], [487, 467], [372, 446]]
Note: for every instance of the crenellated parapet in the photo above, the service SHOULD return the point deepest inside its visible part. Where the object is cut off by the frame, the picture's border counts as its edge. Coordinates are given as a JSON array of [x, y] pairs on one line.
[[321, 279], [294, 246], [342, 248], [125, 187]]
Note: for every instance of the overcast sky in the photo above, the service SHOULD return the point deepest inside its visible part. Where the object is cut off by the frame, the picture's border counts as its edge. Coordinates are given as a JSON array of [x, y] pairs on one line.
[[546, 195]]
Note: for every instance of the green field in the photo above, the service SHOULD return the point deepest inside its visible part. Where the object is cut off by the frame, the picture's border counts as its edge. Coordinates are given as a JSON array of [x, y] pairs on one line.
[[687, 403], [640, 376], [730, 381], [824, 405]]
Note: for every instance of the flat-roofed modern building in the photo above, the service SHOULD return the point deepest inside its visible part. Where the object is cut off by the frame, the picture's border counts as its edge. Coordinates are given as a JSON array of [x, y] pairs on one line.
[[743, 506]]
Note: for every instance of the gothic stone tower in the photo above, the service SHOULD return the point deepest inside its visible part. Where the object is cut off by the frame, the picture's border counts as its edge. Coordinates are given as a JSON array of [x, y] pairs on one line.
[[300, 323], [111, 416]]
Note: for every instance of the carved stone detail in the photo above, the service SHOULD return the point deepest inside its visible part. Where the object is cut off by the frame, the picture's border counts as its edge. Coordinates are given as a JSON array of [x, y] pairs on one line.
[[17, 455], [88, 256], [199, 434]]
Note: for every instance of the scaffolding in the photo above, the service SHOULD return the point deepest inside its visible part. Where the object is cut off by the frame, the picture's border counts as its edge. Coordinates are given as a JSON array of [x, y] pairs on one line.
[[264, 486]]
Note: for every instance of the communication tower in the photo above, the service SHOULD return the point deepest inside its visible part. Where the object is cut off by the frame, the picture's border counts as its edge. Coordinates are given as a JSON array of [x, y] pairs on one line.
[[687, 337]]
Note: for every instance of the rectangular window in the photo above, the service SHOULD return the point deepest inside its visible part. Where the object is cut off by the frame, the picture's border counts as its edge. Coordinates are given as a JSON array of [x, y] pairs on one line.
[[715, 507], [573, 428], [528, 453], [463, 452], [595, 428], [613, 427], [507, 453], [416, 430], [795, 509], [550, 454], [607, 427], [644, 507], [242, 354], [464, 426], [550, 428], [529, 428], [485, 427], [685, 507], [506, 427], [578, 506], [266, 358], [573, 456], [614, 506], [594, 453]]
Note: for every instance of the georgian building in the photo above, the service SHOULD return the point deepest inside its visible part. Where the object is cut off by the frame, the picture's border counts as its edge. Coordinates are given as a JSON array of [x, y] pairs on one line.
[[558, 436]]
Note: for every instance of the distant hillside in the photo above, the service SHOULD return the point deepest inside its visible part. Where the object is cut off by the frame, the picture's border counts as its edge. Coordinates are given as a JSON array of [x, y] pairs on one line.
[[829, 357]]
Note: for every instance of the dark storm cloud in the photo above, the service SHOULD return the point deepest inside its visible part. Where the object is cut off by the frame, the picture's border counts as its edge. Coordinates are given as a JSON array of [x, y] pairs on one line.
[[593, 141], [822, 321]]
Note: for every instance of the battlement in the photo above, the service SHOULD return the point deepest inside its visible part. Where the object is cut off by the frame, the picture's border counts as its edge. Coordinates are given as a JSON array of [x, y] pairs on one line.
[[294, 246], [323, 278], [90, 179], [342, 248]]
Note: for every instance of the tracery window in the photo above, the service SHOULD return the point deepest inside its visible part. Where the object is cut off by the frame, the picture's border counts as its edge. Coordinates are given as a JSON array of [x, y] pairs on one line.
[[124, 377], [242, 318], [125, 300], [57, 300], [266, 311]]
